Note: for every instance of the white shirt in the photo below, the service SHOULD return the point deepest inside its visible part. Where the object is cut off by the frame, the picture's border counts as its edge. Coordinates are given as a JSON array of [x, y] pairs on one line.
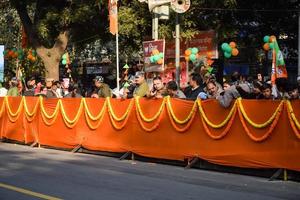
[[3, 92]]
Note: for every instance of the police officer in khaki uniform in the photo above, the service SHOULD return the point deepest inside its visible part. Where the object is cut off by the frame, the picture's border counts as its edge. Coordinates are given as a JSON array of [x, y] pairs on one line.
[[142, 87], [103, 89]]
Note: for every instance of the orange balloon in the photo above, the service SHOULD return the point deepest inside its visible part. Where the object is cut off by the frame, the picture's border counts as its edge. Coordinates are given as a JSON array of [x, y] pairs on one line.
[[33, 59], [187, 58], [209, 55], [11, 53], [160, 61], [232, 44], [266, 46], [272, 38], [155, 52], [29, 57], [187, 52], [235, 52]]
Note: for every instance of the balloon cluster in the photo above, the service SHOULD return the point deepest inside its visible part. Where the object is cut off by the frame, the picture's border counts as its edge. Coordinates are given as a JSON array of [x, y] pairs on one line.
[[65, 59], [20, 54], [191, 54], [229, 49], [269, 42], [157, 57]]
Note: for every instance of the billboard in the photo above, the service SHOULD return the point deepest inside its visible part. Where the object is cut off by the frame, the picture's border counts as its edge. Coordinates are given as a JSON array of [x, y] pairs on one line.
[[148, 47], [205, 41], [1, 63]]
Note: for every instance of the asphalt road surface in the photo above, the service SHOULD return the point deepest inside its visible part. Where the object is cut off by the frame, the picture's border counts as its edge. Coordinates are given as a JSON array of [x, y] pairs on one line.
[[37, 173]]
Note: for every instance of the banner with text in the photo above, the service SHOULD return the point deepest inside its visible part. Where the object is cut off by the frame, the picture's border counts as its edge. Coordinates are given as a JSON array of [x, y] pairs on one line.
[[205, 41], [150, 48]]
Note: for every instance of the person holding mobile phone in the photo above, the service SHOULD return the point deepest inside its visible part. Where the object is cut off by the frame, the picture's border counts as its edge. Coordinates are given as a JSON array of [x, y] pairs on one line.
[[158, 89]]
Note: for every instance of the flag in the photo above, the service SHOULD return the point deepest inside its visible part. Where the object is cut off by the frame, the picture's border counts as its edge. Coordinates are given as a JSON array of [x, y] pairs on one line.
[[278, 64], [113, 16]]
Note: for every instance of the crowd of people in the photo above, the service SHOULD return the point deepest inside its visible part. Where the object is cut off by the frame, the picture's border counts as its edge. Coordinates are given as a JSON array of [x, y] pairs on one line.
[[202, 87]]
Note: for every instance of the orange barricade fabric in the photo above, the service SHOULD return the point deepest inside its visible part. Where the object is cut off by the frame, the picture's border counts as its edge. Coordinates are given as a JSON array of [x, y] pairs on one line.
[[256, 134]]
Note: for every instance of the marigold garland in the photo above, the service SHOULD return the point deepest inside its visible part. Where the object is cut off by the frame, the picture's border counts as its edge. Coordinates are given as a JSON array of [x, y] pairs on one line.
[[291, 111], [89, 114], [171, 111], [256, 125], [45, 115], [293, 120], [184, 128], [90, 124], [268, 133], [71, 123], [2, 108], [110, 110], [114, 123], [138, 108], [216, 126], [12, 115], [30, 115], [139, 117], [224, 133]]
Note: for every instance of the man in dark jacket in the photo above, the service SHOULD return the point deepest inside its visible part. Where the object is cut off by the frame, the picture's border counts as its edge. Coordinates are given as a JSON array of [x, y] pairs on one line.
[[192, 91]]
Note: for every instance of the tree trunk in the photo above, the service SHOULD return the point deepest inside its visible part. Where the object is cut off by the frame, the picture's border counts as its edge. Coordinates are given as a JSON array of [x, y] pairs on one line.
[[51, 57]]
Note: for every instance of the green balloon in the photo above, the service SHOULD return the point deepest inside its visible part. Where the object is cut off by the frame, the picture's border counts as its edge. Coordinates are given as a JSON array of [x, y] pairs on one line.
[[266, 39], [20, 57], [225, 46], [5, 52], [64, 56], [152, 59], [194, 50], [271, 45], [64, 62], [193, 57], [156, 58], [228, 49], [227, 55], [161, 55], [33, 52]]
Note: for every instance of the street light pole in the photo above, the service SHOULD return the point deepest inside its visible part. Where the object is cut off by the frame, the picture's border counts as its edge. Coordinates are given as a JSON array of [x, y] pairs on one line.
[[155, 24], [177, 49]]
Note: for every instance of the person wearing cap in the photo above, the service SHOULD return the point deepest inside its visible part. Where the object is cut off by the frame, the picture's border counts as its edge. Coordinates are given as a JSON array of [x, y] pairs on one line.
[[103, 89], [13, 89], [142, 87]]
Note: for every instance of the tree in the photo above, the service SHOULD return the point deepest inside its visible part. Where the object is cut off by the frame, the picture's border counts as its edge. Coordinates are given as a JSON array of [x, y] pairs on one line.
[[53, 24]]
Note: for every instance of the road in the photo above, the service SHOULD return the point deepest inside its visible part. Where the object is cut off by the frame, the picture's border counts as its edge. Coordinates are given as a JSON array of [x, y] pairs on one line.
[[38, 173]]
